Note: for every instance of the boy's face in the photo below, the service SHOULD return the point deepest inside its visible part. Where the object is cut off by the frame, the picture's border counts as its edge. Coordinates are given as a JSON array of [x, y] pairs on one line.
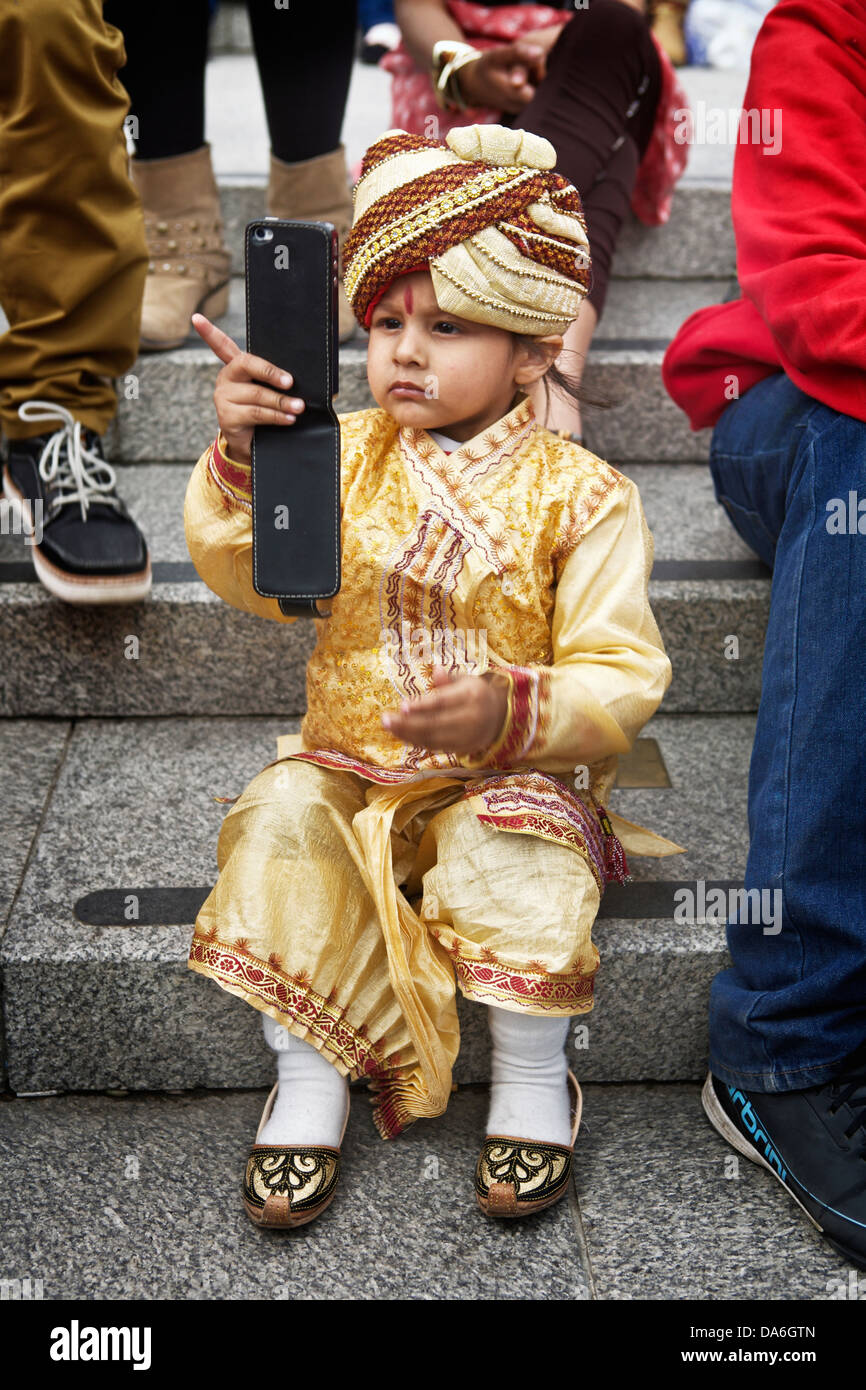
[[436, 371]]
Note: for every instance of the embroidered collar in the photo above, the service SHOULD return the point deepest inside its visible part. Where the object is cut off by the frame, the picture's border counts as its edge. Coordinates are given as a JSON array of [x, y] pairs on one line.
[[449, 482], [477, 456]]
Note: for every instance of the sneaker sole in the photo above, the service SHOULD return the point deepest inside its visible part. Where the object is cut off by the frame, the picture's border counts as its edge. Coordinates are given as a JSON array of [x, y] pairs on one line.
[[722, 1122], [80, 589]]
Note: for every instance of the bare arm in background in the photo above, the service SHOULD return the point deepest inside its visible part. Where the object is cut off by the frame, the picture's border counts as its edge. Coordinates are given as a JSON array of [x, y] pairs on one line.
[[503, 78], [424, 22]]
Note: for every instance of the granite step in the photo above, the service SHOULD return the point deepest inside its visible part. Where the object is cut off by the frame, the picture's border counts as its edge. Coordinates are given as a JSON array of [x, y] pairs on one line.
[[696, 242], [660, 1209], [643, 311], [118, 818], [187, 652], [166, 401]]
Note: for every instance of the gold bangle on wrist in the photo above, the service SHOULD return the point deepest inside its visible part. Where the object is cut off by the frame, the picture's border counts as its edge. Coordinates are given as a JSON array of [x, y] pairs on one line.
[[448, 58]]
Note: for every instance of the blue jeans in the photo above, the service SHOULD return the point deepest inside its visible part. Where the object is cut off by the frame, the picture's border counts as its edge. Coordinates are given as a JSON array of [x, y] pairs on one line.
[[793, 1006]]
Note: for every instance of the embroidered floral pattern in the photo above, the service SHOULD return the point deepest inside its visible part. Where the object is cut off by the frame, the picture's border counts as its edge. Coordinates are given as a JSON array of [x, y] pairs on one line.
[[537, 803], [450, 479], [307, 1176], [593, 493], [234, 968], [539, 989], [538, 1173], [329, 757]]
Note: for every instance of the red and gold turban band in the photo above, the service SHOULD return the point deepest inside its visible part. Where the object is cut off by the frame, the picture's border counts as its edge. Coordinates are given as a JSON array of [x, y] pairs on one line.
[[502, 233]]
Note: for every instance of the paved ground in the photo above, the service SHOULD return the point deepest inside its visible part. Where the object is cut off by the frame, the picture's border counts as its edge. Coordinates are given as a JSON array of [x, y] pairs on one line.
[[137, 1197]]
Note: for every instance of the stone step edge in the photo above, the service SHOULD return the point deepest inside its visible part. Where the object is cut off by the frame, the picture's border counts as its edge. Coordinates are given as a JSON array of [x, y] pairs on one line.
[[619, 1040]]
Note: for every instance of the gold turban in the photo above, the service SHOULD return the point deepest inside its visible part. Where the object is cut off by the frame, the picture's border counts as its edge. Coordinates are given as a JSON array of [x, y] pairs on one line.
[[503, 235]]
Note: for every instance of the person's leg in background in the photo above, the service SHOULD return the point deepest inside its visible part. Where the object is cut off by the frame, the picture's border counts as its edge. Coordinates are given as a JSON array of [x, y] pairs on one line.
[[305, 56], [793, 1006], [788, 1019], [189, 264], [597, 106], [72, 267]]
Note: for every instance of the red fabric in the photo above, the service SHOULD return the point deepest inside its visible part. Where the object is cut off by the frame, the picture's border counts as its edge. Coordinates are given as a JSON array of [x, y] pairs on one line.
[[414, 108], [800, 224]]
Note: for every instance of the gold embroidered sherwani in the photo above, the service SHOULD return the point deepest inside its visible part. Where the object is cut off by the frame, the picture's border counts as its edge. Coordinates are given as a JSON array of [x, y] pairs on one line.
[[357, 875]]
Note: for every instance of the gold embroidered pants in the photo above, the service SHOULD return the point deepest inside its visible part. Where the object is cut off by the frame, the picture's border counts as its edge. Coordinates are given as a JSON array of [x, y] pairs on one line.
[[349, 911]]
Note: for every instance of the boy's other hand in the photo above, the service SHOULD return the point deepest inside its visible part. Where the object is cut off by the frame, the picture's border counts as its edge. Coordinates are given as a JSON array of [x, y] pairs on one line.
[[241, 400], [462, 714]]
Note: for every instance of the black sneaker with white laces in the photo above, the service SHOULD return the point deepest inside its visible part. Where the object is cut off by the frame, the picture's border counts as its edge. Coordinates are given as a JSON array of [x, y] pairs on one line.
[[86, 548], [813, 1141]]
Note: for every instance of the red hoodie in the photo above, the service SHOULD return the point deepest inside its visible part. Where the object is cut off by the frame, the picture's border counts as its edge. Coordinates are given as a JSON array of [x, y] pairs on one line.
[[800, 225]]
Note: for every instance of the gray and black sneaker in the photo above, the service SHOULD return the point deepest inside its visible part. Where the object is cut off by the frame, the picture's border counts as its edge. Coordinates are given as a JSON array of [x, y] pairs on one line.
[[813, 1141], [86, 547]]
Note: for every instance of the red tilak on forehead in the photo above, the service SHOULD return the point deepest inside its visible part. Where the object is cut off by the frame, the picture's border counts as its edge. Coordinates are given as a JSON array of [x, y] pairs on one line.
[[407, 299], [422, 265]]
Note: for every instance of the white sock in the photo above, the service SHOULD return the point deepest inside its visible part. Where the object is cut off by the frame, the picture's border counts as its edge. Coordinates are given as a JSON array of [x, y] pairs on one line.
[[529, 1092], [310, 1105]]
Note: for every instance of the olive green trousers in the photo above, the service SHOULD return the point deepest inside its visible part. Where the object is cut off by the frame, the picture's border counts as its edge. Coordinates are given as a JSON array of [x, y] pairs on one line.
[[73, 255]]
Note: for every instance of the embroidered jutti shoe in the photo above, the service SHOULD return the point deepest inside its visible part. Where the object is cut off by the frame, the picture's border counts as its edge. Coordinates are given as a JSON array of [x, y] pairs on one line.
[[517, 1177], [286, 1187]]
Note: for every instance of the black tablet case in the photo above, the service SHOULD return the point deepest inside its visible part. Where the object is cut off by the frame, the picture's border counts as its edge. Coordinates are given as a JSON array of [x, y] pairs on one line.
[[291, 284]]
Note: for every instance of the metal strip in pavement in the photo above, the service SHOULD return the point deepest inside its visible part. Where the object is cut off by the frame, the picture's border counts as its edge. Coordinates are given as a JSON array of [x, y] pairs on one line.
[[183, 572], [178, 907]]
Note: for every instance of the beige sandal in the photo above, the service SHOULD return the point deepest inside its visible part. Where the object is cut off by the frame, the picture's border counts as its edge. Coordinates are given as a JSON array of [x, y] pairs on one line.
[[518, 1177], [287, 1187]]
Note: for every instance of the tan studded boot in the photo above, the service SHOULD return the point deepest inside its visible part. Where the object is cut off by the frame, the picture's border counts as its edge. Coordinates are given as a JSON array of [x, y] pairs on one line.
[[190, 265], [316, 190], [667, 24]]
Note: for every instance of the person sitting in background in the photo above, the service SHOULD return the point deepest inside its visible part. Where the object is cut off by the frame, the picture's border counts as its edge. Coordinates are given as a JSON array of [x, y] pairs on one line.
[[780, 374], [594, 82]]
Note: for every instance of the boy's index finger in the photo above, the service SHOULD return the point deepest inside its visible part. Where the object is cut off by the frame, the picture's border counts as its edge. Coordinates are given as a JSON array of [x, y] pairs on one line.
[[224, 347]]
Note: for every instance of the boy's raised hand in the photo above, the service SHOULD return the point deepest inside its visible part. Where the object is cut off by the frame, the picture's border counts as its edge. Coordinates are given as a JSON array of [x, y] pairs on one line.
[[241, 399], [462, 714]]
